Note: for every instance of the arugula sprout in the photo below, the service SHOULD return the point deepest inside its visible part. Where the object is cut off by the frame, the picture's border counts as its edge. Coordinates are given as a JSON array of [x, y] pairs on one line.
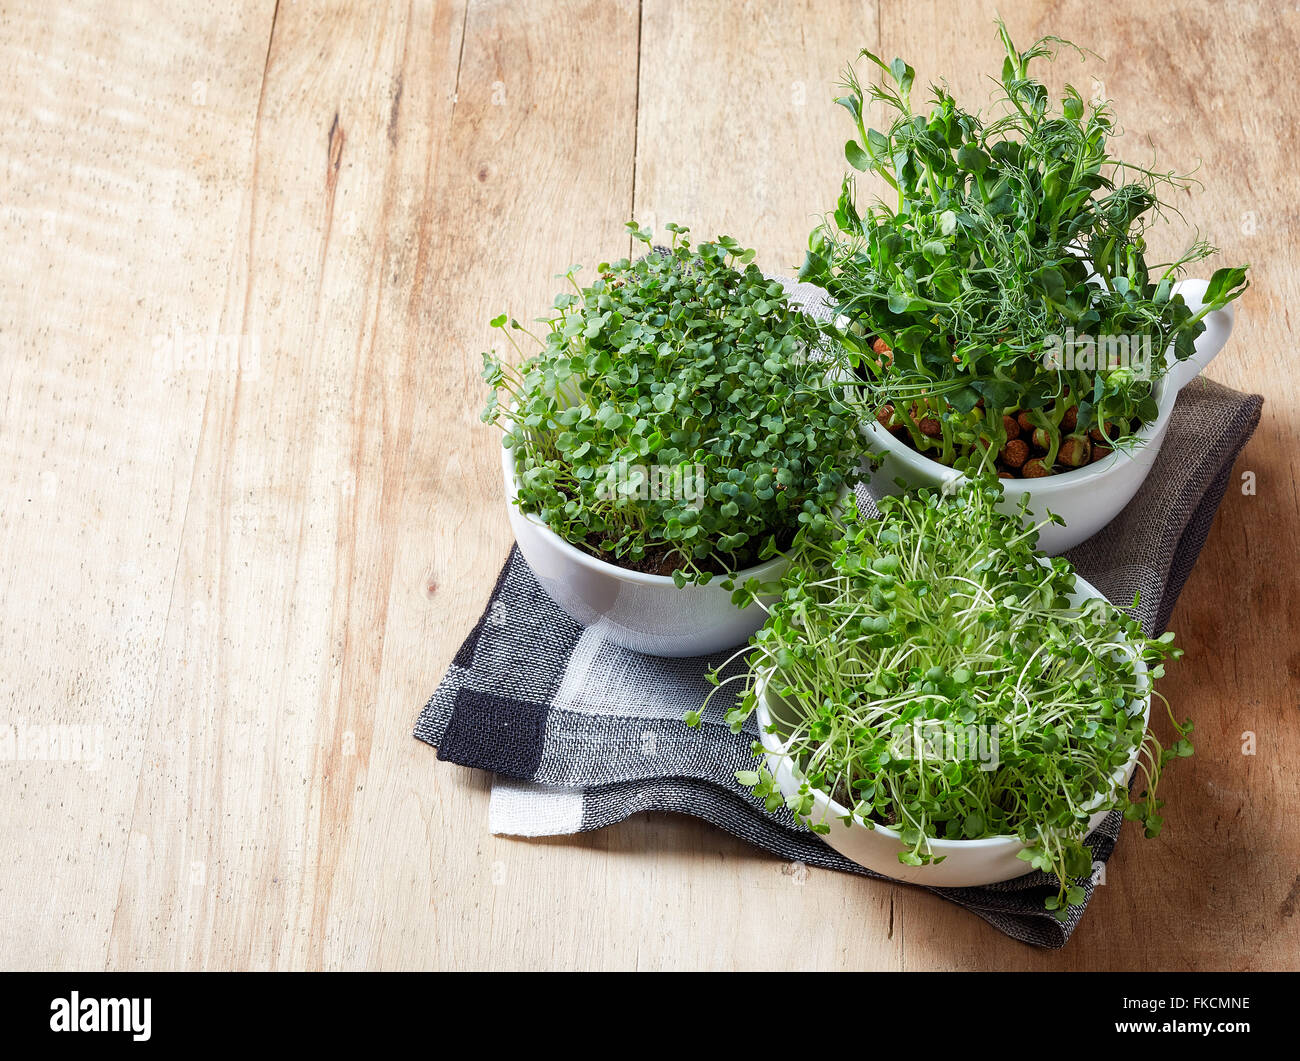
[[680, 417], [940, 621], [1007, 234]]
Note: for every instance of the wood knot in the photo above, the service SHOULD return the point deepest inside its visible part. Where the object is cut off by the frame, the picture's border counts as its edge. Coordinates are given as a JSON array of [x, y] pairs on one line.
[[335, 150]]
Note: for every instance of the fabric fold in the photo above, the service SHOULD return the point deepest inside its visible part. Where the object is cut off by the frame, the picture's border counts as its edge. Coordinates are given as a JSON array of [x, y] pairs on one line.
[[581, 734]]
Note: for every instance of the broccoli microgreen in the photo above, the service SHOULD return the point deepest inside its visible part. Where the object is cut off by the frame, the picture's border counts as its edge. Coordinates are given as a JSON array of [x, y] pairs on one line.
[[936, 620], [680, 416]]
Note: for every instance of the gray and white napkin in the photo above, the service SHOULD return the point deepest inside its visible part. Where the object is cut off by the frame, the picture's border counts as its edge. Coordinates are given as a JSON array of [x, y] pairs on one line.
[[581, 734]]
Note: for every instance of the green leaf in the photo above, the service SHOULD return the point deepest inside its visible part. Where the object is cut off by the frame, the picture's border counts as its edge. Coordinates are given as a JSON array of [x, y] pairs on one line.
[[1225, 285], [852, 104], [1051, 282], [903, 74], [972, 159], [857, 158]]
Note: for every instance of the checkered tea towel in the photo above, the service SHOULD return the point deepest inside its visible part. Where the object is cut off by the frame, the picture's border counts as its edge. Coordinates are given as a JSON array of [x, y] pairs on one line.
[[582, 734]]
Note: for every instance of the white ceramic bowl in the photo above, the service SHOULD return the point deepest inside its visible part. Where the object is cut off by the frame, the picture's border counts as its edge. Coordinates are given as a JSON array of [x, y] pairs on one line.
[[1089, 497], [646, 613], [967, 863]]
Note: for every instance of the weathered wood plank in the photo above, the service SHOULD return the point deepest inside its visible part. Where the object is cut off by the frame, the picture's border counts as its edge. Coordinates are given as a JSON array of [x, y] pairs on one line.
[[328, 511], [124, 145], [250, 561]]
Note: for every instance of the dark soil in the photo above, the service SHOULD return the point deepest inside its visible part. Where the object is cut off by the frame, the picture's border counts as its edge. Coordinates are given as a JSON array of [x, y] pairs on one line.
[[664, 560]]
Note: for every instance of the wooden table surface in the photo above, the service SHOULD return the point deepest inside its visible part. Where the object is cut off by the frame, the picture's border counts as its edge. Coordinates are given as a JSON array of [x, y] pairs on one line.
[[247, 509]]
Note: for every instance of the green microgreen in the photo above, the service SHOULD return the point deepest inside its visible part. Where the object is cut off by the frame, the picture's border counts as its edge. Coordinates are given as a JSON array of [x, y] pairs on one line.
[[680, 416], [1010, 235], [933, 674]]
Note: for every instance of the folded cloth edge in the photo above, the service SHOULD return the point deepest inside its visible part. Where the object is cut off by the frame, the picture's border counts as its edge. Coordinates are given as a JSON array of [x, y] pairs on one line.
[[1191, 537]]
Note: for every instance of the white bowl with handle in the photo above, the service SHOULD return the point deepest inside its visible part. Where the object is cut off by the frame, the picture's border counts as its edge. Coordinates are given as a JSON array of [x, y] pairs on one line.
[[1087, 498], [966, 863], [646, 613]]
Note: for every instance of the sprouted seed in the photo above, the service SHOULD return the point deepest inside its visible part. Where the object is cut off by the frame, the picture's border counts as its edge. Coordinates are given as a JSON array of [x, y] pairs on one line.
[[939, 619]]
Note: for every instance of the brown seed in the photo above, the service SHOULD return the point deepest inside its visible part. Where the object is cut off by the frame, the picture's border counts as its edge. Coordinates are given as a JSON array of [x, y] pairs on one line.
[[1004, 474], [1041, 439], [1100, 451], [930, 427], [884, 415], [1035, 469], [1096, 435], [1075, 451], [1011, 427], [1070, 419], [1015, 454], [1026, 425], [880, 346]]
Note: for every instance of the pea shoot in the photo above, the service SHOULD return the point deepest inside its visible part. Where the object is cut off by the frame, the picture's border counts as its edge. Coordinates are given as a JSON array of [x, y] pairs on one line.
[[1012, 236], [939, 619]]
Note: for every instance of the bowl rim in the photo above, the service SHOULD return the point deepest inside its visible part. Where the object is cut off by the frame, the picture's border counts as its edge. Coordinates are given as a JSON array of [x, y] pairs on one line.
[[837, 811], [509, 471], [1149, 434]]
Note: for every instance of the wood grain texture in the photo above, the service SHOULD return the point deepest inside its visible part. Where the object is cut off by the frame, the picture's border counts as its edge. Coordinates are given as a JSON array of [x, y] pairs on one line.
[[743, 139], [258, 743], [124, 146], [247, 559]]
